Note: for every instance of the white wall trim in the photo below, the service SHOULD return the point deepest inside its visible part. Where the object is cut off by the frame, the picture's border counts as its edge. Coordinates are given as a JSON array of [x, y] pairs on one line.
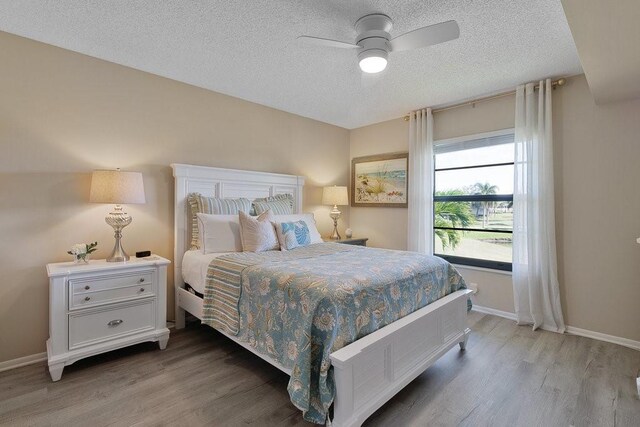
[[493, 311], [604, 337], [625, 342], [23, 361]]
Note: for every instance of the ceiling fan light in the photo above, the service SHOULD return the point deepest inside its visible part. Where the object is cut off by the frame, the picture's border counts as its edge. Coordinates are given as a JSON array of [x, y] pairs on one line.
[[373, 61], [373, 64]]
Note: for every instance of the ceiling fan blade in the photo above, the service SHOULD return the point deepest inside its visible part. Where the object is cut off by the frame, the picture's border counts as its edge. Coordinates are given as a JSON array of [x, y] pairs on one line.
[[426, 36], [326, 42]]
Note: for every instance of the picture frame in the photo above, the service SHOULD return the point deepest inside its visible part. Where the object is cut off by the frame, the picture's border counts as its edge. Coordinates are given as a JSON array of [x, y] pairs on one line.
[[380, 180]]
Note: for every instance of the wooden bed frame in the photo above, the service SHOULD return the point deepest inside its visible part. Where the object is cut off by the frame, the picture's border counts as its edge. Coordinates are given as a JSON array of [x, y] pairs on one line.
[[367, 372]]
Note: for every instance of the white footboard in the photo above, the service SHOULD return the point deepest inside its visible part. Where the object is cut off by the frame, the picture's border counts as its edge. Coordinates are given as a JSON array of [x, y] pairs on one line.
[[373, 369]]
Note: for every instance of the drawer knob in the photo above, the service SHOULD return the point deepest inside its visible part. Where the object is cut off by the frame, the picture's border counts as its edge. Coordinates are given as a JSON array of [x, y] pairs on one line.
[[142, 280], [86, 288], [141, 289], [115, 322], [87, 298]]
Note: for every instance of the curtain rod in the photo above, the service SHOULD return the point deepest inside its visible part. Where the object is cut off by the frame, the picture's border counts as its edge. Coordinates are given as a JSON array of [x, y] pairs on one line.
[[559, 82]]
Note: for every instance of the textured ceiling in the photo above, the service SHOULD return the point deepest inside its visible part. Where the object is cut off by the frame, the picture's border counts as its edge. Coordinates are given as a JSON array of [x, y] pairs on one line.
[[248, 49]]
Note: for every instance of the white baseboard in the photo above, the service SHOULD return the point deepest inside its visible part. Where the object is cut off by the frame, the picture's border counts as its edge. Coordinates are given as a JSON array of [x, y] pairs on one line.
[[499, 313], [604, 337], [23, 361], [570, 329]]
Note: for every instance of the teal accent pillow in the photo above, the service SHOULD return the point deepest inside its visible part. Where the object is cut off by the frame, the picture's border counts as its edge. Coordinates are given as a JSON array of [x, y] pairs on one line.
[[293, 234]]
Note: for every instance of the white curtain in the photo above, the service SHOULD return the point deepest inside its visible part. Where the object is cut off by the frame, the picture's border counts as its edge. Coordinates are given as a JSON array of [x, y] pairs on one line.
[[535, 275], [420, 197]]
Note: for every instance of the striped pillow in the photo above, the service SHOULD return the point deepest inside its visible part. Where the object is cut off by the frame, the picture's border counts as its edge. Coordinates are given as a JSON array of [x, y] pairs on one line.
[[212, 205], [280, 204]]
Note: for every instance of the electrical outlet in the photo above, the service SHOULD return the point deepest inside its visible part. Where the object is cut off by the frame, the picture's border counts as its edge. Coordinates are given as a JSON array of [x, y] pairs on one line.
[[473, 287]]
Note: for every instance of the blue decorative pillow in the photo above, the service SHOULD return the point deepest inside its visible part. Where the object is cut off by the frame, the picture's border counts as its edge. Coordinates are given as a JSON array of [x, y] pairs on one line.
[[293, 234]]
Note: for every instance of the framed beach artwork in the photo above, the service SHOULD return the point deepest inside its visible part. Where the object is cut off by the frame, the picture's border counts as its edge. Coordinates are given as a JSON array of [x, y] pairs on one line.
[[380, 181]]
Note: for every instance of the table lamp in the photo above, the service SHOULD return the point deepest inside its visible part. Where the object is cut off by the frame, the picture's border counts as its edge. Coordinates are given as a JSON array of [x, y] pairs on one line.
[[335, 195], [117, 187]]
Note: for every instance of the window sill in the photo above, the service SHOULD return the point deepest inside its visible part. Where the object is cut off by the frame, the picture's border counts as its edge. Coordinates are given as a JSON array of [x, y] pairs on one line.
[[486, 270]]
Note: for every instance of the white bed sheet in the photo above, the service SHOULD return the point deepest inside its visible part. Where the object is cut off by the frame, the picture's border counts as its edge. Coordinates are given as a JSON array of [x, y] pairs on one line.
[[194, 268]]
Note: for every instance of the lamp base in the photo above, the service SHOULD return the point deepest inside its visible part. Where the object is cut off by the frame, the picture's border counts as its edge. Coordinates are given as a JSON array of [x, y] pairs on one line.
[[118, 220], [118, 254], [335, 215]]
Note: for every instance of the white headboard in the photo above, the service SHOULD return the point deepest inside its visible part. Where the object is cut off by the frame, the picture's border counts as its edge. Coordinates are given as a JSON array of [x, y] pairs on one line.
[[227, 183]]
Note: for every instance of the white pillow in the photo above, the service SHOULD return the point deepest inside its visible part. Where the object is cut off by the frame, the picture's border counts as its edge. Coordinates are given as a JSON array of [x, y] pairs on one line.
[[257, 233], [219, 233], [306, 217]]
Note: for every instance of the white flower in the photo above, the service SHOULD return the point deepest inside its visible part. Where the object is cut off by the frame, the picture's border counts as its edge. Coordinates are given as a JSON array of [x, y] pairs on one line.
[[79, 249]]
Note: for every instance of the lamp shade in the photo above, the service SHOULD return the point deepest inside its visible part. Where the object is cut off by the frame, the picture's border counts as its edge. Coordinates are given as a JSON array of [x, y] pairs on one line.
[[116, 187], [335, 195]]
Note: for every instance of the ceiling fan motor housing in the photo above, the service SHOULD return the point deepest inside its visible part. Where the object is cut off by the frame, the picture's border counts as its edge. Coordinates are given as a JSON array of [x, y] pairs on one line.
[[373, 35]]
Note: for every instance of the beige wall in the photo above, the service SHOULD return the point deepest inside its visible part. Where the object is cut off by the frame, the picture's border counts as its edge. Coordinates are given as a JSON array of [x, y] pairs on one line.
[[64, 114], [597, 152], [598, 210]]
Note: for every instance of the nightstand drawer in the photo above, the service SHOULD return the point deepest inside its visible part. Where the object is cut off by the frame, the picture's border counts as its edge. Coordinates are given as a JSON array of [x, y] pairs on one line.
[[101, 283], [108, 289], [93, 298], [87, 328]]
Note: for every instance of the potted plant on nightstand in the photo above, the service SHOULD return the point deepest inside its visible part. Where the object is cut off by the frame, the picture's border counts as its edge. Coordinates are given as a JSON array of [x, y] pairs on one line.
[[81, 252]]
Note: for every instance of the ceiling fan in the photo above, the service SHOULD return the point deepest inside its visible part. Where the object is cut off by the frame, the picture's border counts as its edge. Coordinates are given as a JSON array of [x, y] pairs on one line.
[[374, 41]]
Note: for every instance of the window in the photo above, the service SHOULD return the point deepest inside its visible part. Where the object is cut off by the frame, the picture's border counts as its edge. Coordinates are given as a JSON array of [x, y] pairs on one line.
[[473, 200]]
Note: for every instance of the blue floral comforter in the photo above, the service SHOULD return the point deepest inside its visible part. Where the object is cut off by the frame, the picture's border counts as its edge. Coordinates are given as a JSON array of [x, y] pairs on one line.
[[299, 306]]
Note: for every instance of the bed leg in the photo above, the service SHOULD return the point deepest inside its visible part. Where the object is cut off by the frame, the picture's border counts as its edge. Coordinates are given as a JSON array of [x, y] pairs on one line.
[[465, 338], [180, 313]]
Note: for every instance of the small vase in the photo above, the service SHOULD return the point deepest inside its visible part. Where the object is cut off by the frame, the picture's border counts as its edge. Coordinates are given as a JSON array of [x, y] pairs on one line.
[[81, 259]]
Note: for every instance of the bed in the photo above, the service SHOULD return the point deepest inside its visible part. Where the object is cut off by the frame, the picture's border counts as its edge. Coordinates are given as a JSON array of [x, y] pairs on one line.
[[368, 371]]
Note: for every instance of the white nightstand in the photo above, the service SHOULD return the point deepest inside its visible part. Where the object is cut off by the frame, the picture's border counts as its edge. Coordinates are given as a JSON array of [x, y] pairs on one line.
[[102, 306]]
